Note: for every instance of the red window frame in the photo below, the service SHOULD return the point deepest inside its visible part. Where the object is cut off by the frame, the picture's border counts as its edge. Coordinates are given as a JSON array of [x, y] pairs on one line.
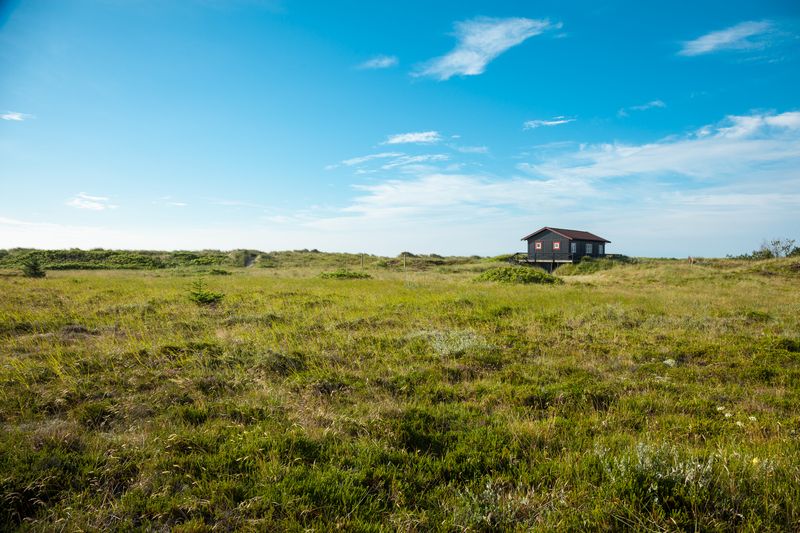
[[537, 245], [556, 245]]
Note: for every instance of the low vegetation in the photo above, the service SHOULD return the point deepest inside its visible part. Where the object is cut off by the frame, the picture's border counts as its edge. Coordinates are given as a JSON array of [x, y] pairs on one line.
[[100, 259], [343, 273], [654, 396], [590, 265], [518, 274]]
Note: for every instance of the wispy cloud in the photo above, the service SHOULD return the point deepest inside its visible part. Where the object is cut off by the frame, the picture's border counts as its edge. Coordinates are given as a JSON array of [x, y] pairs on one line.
[[237, 203], [379, 62], [15, 116], [169, 202], [742, 36], [421, 137], [738, 147], [480, 41], [555, 121], [415, 160], [353, 161], [472, 149], [697, 183], [92, 203], [644, 107]]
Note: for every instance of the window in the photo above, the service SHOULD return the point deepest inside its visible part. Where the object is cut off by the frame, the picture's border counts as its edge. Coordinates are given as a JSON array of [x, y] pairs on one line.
[[538, 245], [589, 248], [573, 248], [601, 249], [556, 245]]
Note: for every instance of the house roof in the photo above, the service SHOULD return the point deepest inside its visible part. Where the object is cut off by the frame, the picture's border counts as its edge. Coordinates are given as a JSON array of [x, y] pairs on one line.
[[571, 234]]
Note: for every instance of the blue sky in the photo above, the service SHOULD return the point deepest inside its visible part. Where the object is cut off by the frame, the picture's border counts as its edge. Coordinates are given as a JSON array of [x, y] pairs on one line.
[[671, 129]]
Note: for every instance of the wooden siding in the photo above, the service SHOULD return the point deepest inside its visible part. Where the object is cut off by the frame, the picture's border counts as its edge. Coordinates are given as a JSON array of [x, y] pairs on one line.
[[547, 253]]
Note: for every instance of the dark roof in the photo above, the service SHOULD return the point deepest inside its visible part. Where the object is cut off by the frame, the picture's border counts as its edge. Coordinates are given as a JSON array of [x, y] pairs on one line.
[[571, 234]]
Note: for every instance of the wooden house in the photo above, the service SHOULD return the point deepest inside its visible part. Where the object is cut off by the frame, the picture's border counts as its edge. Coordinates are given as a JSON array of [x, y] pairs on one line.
[[551, 247]]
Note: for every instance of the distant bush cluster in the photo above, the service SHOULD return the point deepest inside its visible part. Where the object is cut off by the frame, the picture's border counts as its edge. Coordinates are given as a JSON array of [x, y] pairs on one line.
[[772, 249], [343, 273], [518, 274], [102, 259], [99, 259]]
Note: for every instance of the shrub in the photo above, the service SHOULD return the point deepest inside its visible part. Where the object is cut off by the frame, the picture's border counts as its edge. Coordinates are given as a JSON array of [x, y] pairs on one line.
[[771, 249], [219, 272], [343, 273], [199, 294], [31, 268], [518, 274]]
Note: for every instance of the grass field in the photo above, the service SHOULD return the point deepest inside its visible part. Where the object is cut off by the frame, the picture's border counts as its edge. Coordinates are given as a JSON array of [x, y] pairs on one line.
[[647, 396]]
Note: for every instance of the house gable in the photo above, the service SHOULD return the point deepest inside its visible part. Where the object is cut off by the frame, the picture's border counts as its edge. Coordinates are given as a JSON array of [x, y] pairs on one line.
[[570, 234]]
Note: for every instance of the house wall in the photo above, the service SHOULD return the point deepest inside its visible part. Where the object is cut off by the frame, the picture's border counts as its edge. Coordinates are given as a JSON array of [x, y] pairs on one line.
[[581, 248], [547, 239]]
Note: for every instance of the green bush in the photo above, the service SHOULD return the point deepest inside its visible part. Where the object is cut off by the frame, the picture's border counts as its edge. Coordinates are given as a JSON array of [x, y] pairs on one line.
[[518, 274], [343, 273], [200, 295], [31, 268]]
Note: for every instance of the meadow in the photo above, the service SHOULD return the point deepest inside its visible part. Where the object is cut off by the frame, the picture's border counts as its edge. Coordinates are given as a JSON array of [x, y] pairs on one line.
[[652, 395]]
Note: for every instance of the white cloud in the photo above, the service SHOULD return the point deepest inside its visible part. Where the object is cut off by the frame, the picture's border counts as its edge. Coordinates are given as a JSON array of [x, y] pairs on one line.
[[15, 116], [697, 184], [644, 107], [719, 189], [555, 121], [480, 41], [414, 160], [379, 62], [422, 137], [439, 190], [170, 202], [237, 203], [742, 36], [92, 203], [366, 158], [736, 146], [473, 149]]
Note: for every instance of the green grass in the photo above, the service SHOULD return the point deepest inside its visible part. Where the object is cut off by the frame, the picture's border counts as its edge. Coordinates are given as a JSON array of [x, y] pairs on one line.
[[650, 396], [591, 265]]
